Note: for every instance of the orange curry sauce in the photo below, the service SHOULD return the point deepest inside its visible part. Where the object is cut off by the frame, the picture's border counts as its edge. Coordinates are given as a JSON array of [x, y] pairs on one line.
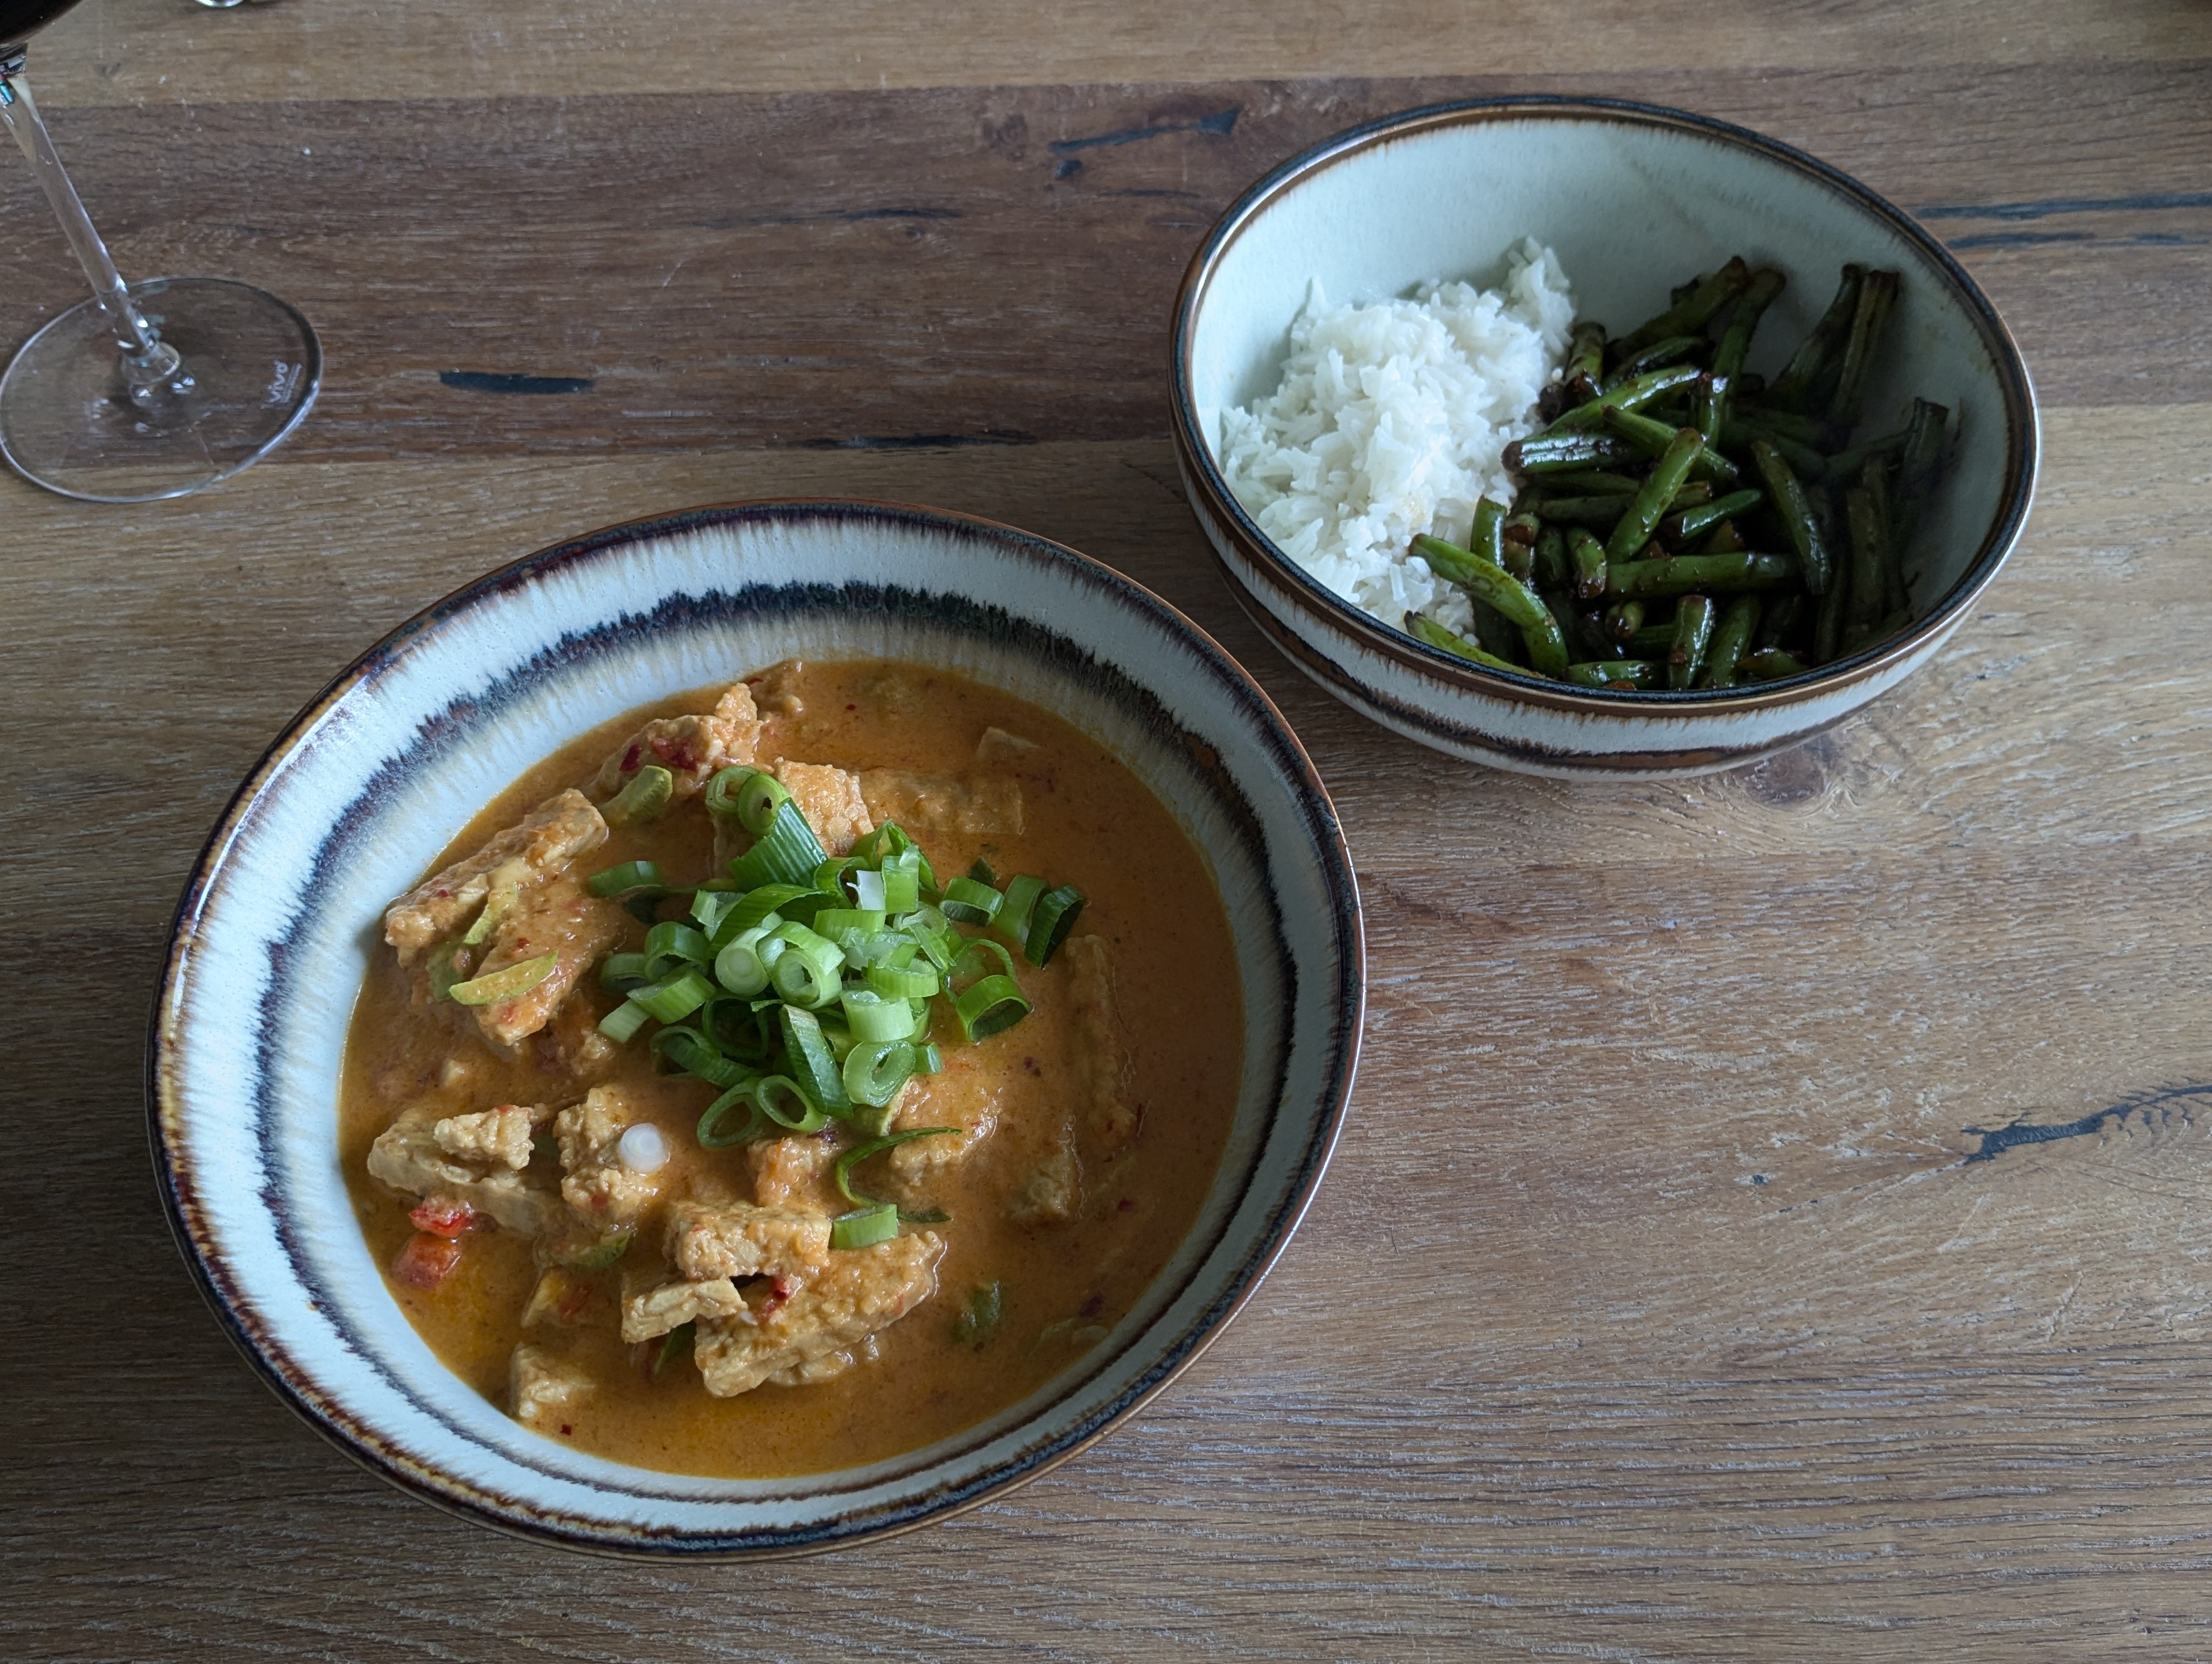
[[1087, 821]]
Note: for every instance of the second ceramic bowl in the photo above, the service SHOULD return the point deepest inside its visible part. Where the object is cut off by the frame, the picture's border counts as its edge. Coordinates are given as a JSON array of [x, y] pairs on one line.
[[1633, 198]]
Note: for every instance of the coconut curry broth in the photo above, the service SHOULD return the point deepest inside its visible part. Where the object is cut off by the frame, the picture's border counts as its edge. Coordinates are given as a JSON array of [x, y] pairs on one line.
[[1060, 1284]]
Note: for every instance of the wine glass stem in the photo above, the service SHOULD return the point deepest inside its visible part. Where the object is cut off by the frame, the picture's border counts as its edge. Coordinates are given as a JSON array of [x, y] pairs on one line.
[[148, 361]]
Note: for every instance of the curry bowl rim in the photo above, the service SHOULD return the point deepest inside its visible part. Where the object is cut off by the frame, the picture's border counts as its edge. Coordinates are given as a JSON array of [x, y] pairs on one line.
[[168, 1063]]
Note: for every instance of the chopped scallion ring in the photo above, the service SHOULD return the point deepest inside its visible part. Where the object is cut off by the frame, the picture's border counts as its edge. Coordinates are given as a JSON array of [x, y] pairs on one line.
[[624, 1021], [444, 970], [875, 1069], [929, 1061], [715, 1130], [782, 1099], [806, 1050], [675, 998], [904, 982], [868, 889], [993, 1005], [621, 972], [864, 1227], [873, 1017], [811, 969], [510, 982], [860, 1152], [688, 1051], [757, 905], [721, 796], [673, 944], [1055, 915], [650, 791], [741, 966], [788, 852], [1013, 919], [967, 903], [616, 882], [711, 907], [760, 799]]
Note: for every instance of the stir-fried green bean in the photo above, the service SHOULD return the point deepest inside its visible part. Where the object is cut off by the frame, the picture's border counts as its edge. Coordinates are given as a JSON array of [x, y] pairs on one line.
[[1764, 532]]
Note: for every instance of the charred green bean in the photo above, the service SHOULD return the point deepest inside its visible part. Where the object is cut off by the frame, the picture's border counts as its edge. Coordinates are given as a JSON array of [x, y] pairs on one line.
[[1683, 574], [1693, 634], [1798, 520], [1731, 638]]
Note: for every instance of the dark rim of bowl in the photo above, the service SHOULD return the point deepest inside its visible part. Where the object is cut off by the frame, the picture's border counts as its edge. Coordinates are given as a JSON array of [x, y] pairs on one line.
[[2021, 442], [164, 1058]]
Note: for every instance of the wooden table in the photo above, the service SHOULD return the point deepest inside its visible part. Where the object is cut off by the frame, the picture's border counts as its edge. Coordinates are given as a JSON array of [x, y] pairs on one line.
[[1772, 1220]]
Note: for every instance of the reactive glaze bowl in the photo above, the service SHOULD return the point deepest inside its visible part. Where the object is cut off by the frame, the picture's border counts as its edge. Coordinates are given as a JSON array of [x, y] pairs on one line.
[[374, 777], [1633, 198]]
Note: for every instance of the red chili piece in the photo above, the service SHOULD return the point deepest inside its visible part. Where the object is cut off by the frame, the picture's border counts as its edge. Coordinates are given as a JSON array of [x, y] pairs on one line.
[[426, 1260], [630, 760], [780, 1289], [441, 1216]]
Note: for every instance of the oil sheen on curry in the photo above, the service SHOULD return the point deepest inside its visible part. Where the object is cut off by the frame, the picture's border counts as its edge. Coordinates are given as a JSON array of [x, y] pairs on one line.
[[791, 1075]]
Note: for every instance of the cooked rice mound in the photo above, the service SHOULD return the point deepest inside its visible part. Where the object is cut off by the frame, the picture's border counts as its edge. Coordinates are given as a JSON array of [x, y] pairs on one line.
[[1391, 421]]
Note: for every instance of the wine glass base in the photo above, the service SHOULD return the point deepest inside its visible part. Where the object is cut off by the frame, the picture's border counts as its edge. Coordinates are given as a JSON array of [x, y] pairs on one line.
[[70, 420]]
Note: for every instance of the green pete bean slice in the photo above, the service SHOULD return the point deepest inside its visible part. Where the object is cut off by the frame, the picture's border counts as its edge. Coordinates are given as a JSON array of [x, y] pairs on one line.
[[1649, 504], [1795, 508], [1693, 633], [1731, 637], [1521, 605], [1686, 574]]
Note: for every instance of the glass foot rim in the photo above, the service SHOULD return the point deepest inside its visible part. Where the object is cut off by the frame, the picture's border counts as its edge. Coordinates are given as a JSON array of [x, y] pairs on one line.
[[311, 385]]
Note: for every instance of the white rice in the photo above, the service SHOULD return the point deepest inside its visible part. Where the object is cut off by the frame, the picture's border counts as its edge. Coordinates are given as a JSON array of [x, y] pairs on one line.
[[1391, 421]]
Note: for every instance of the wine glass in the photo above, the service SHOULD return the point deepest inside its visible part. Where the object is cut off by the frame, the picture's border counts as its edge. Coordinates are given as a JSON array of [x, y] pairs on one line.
[[147, 390]]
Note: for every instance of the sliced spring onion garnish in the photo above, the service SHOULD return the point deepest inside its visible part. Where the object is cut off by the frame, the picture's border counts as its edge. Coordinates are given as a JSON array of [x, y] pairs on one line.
[[868, 889], [676, 1346], [443, 970], [929, 1061], [721, 796], [976, 954], [908, 981], [733, 1118], [621, 972], [619, 881], [864, 1227], [806, 1051], [624, 1021], [671, 944], [788, 852], [811, 969], [860, 1152], [508, 982], [982, 872], [993, 1005], [784, 1102], [755, 906], [499, 901], [875, 1070], [759, 799], [830, 920], [967, 903], [688, 1051], [902, 887], [1013, 921], [711, 907], [675, 998], [650, 791], [740, 966], [873, 1017], [1055, 915]]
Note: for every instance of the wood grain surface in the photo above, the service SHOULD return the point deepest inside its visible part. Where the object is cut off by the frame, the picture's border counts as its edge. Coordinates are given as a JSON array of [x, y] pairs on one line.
[[1773, 1220]]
